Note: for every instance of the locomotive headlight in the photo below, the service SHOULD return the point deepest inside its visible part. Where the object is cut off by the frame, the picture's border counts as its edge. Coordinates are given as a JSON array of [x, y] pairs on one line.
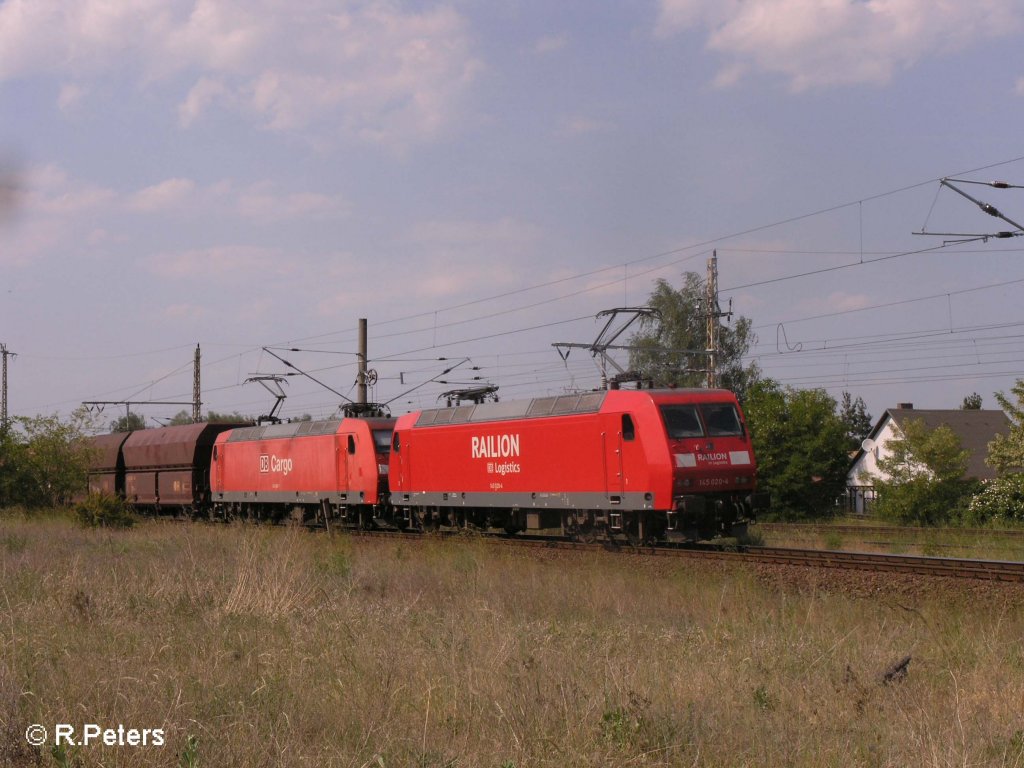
[[742, 480], [686, 482]]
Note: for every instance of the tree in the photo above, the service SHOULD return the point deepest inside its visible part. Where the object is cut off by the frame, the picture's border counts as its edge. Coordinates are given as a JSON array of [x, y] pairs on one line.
[[180, 419], [44, 460], [800, 443], [925, 482], [662, 343], [1006, 452], [228, 418], [212, 417], [130, 422], [971, 403], [857, 420]]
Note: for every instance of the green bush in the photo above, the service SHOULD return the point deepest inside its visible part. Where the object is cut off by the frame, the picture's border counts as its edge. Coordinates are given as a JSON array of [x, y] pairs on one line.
[[101, 510], [1000, 500]]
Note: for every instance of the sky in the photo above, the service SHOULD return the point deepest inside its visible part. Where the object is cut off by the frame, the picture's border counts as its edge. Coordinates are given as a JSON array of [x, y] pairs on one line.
[[480, 180]]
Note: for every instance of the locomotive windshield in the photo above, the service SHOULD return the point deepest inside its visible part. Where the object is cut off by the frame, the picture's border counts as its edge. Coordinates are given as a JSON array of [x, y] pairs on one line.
[[721, 420], [681, 421], [714, 420], [382, 440]]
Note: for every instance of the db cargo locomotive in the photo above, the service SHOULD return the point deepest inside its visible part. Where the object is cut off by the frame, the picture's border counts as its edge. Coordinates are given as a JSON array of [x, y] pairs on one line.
[[322, 470], [643, 465]]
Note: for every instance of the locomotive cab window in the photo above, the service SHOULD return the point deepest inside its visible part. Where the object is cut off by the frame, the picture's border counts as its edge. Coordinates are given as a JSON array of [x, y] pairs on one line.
[[382, 440], [395, 445], [628, 430], [721, 420], [681, 421]]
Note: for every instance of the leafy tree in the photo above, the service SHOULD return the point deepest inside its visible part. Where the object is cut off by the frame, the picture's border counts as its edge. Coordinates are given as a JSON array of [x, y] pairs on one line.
[[180, 419], [662, 344], [44, 460], [971, 403], [801, 447], [130, 422], [855, 416], [925, 469], [185, 417], [1006, 452], [228, 418]]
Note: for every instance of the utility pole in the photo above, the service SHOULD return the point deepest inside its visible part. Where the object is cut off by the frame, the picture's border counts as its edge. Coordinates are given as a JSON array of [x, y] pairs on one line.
[[3, 400], [714, 314], [361, 357], [197, 392]]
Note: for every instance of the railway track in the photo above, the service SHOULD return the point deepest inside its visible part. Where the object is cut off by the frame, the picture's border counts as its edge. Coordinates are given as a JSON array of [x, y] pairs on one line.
[[887, 530], [919, 565], [989, 570]]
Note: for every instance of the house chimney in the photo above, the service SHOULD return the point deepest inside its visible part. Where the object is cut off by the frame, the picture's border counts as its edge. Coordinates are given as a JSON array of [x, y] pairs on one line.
[[905, 406]]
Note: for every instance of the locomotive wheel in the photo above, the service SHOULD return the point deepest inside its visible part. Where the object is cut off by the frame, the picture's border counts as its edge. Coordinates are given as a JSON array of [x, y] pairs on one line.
[[579, 526], [641, 532]]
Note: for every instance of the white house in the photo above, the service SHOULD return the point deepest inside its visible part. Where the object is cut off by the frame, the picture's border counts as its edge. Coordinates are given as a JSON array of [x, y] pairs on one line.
[[975, 428]]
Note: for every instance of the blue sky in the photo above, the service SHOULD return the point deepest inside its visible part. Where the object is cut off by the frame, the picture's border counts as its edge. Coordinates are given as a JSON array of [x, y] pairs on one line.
[[479, 180]]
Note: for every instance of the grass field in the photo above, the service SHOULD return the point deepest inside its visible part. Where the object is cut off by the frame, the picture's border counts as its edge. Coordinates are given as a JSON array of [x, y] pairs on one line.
[[277, 647]]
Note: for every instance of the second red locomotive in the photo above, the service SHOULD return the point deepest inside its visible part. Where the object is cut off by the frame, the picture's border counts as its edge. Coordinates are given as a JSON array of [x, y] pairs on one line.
[[305, 470]]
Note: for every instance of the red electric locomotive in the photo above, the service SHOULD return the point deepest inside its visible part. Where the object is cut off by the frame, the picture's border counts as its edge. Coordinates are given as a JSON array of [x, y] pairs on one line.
[[644, 464], [306, 470]]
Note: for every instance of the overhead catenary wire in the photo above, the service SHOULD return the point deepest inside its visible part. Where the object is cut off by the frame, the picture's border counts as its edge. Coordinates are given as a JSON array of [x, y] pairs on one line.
[[661, 254]]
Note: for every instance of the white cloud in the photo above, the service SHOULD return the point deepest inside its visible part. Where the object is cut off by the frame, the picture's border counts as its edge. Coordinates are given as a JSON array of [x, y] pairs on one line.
[[160, 197], [233, 263], [365, 68], [205, 92], [817, 43], [260, 202], [70, 96], [49, 190]]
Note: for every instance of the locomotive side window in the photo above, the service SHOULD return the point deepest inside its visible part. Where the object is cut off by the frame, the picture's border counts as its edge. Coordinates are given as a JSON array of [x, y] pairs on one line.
[[721, 420], [395, 444], [628, 430], [351, 444], [681, 421]]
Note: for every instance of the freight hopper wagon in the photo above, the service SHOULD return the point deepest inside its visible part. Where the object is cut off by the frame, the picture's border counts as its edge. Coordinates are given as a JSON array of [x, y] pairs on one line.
[[106, 464], [304, 471], [167, 470], [646, 465]]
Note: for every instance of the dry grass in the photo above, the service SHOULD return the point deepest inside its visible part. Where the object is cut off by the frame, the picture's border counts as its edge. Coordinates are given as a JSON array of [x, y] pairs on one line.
[[278, 647]]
